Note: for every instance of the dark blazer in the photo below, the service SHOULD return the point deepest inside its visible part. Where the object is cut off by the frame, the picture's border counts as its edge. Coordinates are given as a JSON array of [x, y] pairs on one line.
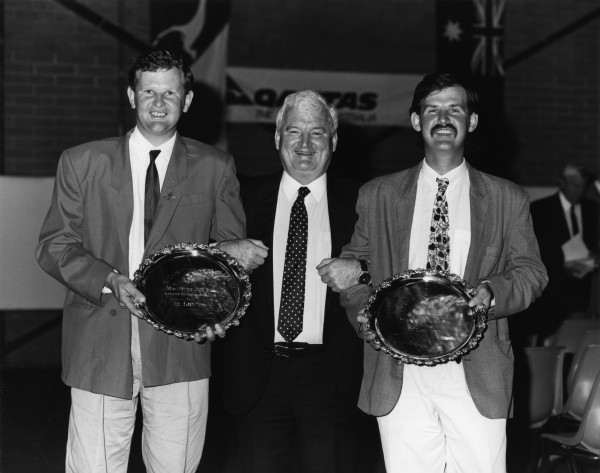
[[247, 348], [552, 232], [503, 250], [86, 234]]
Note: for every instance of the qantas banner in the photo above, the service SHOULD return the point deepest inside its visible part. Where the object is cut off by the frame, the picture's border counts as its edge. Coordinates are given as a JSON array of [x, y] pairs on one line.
[[255, 95]]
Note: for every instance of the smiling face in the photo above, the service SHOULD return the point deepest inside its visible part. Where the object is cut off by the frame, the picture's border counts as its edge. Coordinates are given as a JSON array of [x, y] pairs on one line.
[[305, 142], [159, 100], [444, 122]]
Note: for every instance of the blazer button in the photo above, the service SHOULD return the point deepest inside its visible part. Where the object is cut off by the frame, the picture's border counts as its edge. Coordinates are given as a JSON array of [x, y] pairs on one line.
[[113, 312]]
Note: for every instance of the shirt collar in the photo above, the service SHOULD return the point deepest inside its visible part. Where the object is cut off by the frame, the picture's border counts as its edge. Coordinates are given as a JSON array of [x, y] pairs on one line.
[[566, 204], [290, 186], [454, 176], [143, 146]]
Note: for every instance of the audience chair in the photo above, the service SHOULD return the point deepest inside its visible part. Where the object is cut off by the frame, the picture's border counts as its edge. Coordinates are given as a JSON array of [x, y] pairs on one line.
[[590, 337], [545, 383], [570, 417], [538, 393], [571, 331], [582, 446]]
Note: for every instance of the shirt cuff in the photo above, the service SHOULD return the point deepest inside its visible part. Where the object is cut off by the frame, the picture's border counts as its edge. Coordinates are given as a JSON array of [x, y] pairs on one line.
[[105, 289]]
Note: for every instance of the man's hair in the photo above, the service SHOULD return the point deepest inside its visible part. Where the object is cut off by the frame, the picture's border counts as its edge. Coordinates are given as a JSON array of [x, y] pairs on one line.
[[160, 60], [437, 82], [309, 100], [582, 171]]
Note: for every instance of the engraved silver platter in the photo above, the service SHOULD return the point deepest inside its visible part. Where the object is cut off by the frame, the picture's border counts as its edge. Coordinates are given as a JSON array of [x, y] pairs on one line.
[[190, 286], [421, 317]]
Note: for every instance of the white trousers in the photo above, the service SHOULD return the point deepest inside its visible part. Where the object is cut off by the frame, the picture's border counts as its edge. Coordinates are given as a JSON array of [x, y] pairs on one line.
[[436, 428], [174, 426]]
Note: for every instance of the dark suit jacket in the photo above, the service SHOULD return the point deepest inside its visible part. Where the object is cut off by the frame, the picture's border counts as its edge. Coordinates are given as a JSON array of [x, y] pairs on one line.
[[86, 234], [552, 232], [246, 349], [503, 250]]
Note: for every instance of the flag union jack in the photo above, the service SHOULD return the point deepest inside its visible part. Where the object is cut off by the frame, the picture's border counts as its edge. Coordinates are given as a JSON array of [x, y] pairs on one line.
[[488, 32]]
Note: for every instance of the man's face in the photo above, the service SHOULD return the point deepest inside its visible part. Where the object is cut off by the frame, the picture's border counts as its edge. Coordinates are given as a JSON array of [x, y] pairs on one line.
[[444, 120], [159, 99], [305, 144], [573, 186]]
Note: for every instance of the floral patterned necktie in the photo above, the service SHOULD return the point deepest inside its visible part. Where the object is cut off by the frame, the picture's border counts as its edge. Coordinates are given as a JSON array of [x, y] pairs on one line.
[[438, 251]]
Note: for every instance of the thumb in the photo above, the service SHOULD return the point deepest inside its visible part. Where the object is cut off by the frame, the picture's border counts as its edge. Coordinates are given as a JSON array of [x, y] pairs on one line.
[[258, 243], [325, 262]]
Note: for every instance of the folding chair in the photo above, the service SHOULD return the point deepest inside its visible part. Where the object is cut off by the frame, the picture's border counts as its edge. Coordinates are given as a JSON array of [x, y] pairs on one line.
[[582, 446]]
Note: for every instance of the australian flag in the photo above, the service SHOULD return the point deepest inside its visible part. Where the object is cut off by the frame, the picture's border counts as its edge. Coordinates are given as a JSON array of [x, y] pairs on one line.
[[470, 42], [470, 37]]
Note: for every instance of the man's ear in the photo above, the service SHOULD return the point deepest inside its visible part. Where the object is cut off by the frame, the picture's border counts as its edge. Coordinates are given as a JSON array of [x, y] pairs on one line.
[[131, 97], [334, 142], [416, 121], [188, 101], [473, 121], [277, 137]]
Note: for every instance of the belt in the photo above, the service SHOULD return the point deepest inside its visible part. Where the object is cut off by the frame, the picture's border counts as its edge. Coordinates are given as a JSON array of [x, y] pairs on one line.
[[296, 349]]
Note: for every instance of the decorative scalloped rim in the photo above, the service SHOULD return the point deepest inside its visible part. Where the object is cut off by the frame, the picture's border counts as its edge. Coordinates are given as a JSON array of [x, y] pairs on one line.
[[481, 315], [230, 260]]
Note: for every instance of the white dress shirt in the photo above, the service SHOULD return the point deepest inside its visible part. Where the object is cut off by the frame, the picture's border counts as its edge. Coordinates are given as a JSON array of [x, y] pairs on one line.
[[459, 215], [139, 149], [318, 248], [566, 205]]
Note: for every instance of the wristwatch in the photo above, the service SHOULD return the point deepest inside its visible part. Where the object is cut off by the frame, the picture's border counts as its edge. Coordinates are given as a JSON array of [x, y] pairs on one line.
[[364, 277]]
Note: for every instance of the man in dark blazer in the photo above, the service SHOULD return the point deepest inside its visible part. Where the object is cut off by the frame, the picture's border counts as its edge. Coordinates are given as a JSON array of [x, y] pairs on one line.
[[93, 240], [294, 402], [448, 417], [556, 219]]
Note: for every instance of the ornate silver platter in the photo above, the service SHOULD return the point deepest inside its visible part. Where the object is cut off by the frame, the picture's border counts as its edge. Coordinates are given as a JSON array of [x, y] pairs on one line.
[[189, 286], [422, 317]]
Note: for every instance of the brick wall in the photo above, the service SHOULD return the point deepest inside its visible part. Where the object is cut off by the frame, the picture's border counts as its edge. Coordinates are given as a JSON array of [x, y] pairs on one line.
[[62, 79], [552, 98]]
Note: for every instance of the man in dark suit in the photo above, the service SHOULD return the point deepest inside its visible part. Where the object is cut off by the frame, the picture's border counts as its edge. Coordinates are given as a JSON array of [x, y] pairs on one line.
[[447, 216], [294, 395], [116, 201], [557, 219]]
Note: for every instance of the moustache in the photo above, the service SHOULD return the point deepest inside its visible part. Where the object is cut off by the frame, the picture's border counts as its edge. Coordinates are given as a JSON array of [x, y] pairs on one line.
[[448, 126]]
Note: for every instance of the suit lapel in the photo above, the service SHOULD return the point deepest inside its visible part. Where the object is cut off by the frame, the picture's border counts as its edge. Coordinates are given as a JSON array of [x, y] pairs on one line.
[[122, 196], [263, 216], [405, 195], [480, 204], [171, 192]]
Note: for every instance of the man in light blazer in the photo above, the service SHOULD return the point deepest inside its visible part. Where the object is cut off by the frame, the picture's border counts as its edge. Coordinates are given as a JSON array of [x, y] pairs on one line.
[[294, 403], [93, 240], [449, 417]]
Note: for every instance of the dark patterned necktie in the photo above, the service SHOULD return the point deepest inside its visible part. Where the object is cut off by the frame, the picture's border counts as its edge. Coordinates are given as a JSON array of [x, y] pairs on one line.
[[438, 251], [291, 308], [574, 224], [151, 193]]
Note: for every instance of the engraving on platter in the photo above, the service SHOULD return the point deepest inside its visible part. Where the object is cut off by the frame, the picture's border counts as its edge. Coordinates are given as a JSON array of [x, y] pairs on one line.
[[189, 286]]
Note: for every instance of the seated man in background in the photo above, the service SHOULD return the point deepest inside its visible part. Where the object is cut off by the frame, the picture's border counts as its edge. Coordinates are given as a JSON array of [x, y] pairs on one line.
[[566, 227]]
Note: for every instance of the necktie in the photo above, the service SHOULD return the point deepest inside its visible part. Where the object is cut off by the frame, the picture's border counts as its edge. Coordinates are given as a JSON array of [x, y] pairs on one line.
[[574, 224], [438, 251], [151, 193], [291, 308]]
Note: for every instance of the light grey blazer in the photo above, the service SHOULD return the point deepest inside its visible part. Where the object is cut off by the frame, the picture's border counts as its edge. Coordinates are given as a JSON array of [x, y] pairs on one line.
[[503, 250]]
